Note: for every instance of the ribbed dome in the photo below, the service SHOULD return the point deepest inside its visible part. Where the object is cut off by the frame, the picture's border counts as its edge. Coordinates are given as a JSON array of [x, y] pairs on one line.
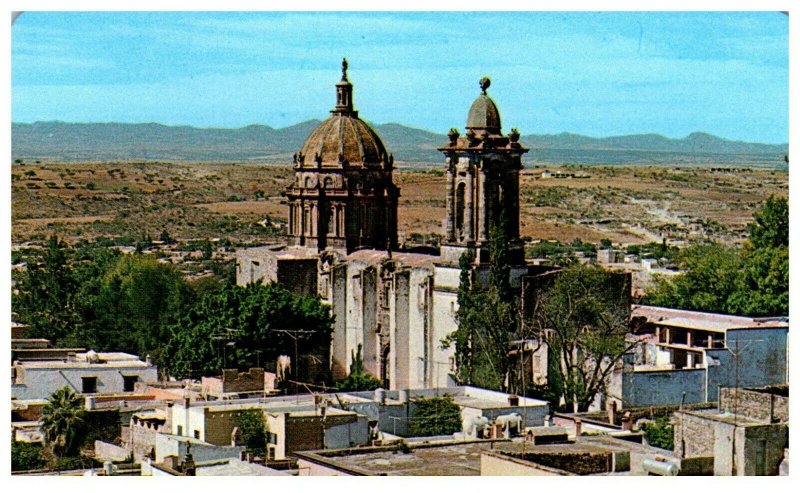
[[343, 138], [483, 114]]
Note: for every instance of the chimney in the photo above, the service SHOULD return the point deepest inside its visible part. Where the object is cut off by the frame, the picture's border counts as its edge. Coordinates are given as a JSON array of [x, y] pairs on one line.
[[627, 421], [612, 412], [188, 466]]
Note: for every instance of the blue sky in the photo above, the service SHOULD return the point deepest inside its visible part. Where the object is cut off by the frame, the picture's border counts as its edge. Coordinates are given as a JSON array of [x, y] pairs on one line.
[[597, 74]]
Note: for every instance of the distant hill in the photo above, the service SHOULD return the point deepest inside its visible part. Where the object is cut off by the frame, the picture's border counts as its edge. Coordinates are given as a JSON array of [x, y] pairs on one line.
[[66, 142]]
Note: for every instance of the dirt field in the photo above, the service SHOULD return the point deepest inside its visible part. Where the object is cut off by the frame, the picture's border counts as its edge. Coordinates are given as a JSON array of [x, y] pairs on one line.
[[243, 202]]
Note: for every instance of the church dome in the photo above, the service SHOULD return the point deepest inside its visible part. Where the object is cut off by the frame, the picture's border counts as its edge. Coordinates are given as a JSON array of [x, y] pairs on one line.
[[483, 114], [343, 139]]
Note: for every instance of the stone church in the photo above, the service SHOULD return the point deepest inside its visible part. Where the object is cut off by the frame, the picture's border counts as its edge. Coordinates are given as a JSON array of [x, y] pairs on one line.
[[342, 209]]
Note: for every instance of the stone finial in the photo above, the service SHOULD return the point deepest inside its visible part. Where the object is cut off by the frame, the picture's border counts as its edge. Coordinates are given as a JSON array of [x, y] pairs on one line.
[[485, 82], [471, 136], [453, 136], [344, 68], [513, 136]]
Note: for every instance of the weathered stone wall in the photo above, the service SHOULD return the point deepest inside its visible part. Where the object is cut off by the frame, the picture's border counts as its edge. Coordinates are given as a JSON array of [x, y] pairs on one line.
[[108, 451], [694, 436], [763, 406], [141, 437], [298, 275], [773, 440]]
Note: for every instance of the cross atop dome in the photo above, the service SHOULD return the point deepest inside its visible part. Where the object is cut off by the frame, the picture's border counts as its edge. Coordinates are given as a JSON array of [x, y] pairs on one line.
[[485, 83], [344, 95]]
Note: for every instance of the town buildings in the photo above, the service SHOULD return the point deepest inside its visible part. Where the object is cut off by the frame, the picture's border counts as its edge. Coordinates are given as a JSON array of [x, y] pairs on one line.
[[686, 357]]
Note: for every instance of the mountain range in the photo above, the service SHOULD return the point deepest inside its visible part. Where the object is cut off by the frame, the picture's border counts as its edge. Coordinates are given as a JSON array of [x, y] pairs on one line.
[[72, 142]]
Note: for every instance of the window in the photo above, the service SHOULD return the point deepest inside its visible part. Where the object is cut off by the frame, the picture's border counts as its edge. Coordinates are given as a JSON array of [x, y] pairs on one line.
[[89, 385], [180, 430], [129, 382], [197, 434]]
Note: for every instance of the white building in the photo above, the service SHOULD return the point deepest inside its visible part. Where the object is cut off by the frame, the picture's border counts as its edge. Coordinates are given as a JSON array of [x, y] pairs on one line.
[[86, 373]]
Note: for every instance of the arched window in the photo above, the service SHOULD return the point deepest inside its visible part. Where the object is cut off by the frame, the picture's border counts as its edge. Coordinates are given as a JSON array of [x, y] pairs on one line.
[[460, 210]]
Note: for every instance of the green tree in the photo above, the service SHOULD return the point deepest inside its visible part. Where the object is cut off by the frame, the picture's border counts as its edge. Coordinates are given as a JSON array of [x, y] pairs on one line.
[[137, 302], [709, 277], [583, 317], [486, 318], [253, 429], [358, 379], [63, 422], [45, 297], [752, 281], [248, 317], [770, 226], [435, 416]]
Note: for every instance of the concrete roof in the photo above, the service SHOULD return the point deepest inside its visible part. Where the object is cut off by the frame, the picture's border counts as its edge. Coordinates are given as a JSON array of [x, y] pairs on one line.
[[714, 322], [447, 459], [375, 257], [235, 467], [107, 360]]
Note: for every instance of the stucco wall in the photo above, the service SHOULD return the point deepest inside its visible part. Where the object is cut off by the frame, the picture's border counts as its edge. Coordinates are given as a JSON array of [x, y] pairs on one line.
[[762, 360], [40, 383], [167, 445], [663, 387]]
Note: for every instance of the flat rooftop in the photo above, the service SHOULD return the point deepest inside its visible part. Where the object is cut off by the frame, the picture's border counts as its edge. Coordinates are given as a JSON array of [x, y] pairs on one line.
[[714, 322], [446, 459], [106, 360]]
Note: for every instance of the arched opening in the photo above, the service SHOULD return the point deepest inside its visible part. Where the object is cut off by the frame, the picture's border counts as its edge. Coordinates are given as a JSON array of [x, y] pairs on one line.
[[459, 212]]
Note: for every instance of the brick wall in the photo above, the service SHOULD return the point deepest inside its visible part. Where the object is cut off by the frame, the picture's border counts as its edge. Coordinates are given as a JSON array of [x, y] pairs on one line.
[[219, 425], [303, 433]]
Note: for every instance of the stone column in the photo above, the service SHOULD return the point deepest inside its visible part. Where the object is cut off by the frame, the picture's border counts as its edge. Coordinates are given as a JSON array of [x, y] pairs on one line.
[[450, 229], [512, 198], [469, 219]]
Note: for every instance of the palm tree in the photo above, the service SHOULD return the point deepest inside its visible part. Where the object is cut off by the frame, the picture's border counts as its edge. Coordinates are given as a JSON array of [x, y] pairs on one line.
[[63, 421]]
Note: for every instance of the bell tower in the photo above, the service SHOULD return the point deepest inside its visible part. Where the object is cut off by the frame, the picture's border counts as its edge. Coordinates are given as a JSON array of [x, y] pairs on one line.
[[483, 169]]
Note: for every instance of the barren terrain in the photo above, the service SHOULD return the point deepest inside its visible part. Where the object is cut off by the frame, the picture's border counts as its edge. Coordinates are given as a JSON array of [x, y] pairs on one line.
[[243, 202]]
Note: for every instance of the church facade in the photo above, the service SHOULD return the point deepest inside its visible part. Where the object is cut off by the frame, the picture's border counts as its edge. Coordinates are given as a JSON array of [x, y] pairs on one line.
[[397, 306]]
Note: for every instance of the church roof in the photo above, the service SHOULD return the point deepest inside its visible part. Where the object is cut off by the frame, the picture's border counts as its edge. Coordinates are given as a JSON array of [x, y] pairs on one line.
[[483, 114], [343, 139]]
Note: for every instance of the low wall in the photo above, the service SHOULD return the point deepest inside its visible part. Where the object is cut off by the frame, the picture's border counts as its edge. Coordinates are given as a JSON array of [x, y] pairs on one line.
[[762, 406], [108, 451]]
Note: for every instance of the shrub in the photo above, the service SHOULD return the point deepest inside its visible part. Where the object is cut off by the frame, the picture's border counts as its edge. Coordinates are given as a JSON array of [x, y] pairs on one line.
[[659, 433], [435, 416]]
